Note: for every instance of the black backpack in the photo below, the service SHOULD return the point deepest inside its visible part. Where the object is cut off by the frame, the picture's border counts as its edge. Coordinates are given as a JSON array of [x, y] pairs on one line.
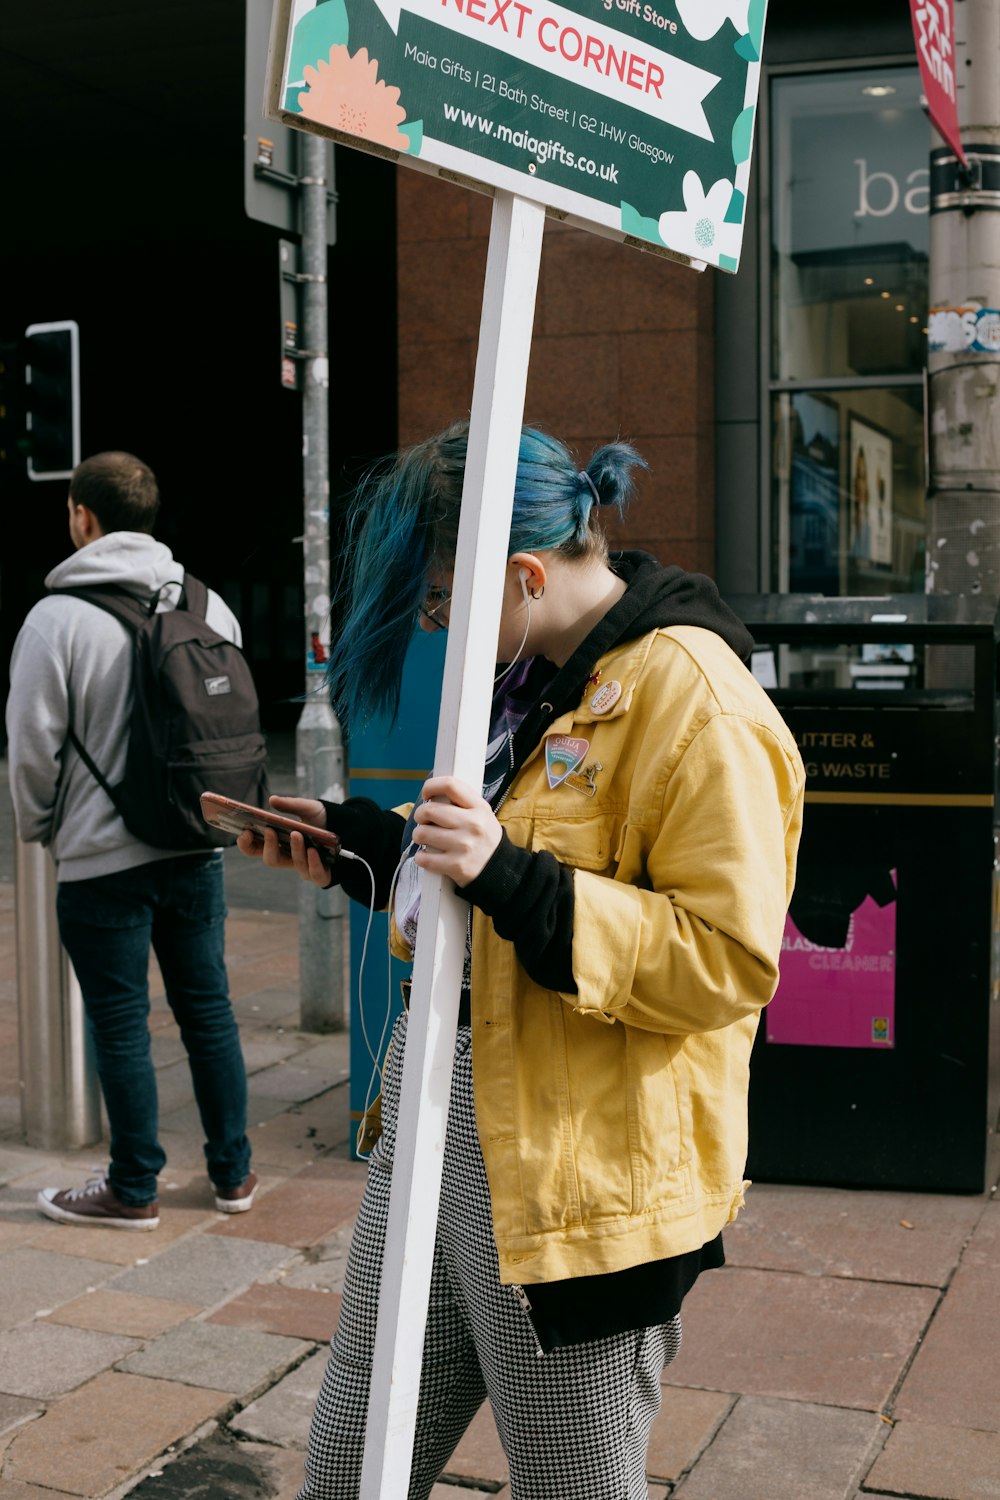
[[195, 721]]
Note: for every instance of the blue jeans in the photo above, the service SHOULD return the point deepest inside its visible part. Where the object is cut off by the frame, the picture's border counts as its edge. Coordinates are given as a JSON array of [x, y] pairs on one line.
[[107, 925]]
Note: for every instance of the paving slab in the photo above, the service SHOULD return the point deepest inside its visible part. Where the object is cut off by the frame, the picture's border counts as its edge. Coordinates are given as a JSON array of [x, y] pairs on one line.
[[272, 1307], [184, 1119], [819, 1339], [109, 1430], [44, 1360], [173, 1085], [15, 1491], [118, 1312], [339, 1166], [283, 1414], [276, 1003], [330, 1053], [20, 1233], [767, 1449], [325, 1264], [296, 1213], [300, 1134], [292, 1083], [36, 1281], [283, 1468], [684, 1427], [873, 1236], [202, 1268], [955, 1378], [263, 1052], [923, 1459], [119, 1247], [166, 1048], [479, 1457], [182, 1148], [214, 1467], [239, 1360], [15, 1410], [18, 1161]]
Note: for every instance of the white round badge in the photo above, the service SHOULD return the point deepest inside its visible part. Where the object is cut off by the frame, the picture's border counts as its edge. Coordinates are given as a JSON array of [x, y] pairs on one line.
[[606, 697]]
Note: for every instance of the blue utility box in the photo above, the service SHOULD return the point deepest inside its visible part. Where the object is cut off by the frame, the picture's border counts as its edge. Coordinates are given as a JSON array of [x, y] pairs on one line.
[[389, 765]]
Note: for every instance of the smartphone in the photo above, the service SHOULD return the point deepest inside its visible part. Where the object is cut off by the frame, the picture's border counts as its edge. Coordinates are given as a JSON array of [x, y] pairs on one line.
[[234, 817]]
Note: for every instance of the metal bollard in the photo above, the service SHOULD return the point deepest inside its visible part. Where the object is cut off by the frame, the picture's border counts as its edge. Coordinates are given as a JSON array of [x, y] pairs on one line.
[[60, 1095]]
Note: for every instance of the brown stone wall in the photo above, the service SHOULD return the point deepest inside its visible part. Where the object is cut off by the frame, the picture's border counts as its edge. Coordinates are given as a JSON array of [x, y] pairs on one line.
[[622, 347]]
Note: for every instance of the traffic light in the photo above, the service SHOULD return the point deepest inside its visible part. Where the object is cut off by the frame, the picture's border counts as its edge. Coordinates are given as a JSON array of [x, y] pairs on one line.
[[52, 397]]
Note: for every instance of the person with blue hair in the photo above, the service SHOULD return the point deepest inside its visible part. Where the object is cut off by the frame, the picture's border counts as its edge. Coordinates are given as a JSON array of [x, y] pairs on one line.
[[628, 864]]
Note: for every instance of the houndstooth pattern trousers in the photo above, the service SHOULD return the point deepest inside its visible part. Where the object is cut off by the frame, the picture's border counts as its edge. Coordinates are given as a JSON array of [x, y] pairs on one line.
[[574, 1424]]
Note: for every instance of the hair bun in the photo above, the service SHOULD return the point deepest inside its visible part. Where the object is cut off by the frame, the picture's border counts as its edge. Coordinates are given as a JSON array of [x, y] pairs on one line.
[[592, 487]]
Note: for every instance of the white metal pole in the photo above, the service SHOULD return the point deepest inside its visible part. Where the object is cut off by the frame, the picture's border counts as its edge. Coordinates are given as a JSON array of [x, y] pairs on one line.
[[487, 498]]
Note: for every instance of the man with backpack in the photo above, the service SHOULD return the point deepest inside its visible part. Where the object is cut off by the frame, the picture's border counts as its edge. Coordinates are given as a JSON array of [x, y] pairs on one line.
[[126, 683]]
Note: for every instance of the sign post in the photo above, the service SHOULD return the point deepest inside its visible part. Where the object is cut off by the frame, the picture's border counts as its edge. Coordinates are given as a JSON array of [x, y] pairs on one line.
[[614, 116], [484, 528]]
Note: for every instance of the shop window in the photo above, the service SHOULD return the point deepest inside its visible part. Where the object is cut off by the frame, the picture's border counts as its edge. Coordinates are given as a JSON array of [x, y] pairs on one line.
[[847, 292]]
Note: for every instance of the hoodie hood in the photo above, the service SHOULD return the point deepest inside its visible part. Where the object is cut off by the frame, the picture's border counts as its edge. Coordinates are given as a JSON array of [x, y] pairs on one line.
[[659, 597], [129, 560], [656, 598]]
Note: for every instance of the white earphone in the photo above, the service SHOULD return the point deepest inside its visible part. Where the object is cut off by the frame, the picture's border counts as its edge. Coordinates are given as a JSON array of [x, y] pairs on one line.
[[522, 574]]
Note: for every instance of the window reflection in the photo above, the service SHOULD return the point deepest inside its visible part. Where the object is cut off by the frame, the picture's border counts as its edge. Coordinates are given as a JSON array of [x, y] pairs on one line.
[[848, 274], [850, 198], [848, 481]]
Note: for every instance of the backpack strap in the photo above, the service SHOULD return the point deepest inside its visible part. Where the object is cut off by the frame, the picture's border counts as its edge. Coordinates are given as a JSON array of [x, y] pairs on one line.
[[133, 614], [126, 608], [195, 596]]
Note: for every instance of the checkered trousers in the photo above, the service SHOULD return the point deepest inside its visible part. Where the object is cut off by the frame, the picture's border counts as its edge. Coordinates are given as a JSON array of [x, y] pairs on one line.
[[574, 1423]]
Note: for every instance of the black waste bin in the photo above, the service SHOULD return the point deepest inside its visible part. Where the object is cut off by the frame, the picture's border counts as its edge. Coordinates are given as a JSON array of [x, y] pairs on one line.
[[877, 1063]]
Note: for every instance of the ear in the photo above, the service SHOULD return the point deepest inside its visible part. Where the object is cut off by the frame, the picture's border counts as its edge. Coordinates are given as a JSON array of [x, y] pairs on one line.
[[529, 571], [90, 526]]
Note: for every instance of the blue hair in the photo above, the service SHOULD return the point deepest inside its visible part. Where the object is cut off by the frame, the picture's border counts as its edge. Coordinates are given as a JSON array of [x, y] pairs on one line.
[[402, 523]]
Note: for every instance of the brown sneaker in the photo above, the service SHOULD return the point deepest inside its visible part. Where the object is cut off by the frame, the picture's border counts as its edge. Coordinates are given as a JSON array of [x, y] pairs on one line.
[[236, 1200], [97, 1204]]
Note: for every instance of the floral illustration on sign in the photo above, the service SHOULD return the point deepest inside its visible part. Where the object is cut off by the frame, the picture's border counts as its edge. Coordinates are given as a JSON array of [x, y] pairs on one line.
[[315, 33], [347, 95], [701, 229], [638, 227], [703, 18]]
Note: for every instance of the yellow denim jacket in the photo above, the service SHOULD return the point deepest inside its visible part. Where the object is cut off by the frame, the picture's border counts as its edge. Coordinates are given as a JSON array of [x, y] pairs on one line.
[[613, 1121]]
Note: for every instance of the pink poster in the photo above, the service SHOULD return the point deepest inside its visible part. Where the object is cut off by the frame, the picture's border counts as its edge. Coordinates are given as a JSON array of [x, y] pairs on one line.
[[839, 997]]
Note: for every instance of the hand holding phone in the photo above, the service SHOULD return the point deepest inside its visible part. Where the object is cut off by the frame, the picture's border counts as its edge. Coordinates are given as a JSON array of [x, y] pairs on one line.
[[239, 817]]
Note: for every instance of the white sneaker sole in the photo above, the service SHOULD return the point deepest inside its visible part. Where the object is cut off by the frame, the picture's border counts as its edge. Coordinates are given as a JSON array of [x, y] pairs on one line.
[[235, 1205], [90, 1221]]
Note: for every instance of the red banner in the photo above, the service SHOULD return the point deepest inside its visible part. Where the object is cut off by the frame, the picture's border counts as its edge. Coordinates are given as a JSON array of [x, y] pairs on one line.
[[934, 34]]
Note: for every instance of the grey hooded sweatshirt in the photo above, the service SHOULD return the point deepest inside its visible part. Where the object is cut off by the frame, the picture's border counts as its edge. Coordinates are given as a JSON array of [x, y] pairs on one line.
[[72, 666]]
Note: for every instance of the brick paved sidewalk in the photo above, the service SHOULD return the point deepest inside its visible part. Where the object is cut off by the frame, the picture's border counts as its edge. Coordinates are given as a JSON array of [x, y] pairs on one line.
[[851, 1346]]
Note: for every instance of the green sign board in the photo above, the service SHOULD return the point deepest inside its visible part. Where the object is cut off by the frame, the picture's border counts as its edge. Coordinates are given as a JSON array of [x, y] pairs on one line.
[[633, 118]]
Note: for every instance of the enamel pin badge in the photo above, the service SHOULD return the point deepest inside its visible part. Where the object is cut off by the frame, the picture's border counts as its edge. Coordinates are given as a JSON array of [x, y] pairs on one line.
[[583, 781], [563, 754], [606, 697]]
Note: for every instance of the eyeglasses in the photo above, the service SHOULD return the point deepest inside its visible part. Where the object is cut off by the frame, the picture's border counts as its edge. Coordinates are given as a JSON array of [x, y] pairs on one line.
[[434, 601]]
